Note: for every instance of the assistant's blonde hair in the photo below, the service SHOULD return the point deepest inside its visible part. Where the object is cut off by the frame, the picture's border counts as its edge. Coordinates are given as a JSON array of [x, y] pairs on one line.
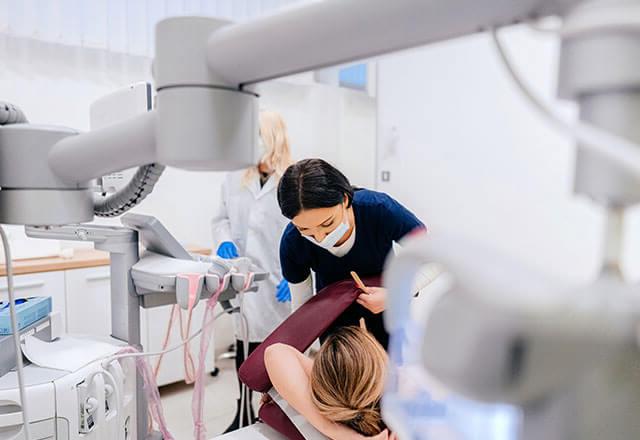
[[277, 155], [347, 380]]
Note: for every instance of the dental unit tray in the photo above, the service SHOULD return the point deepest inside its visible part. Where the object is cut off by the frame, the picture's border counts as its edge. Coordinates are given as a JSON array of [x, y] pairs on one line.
[[165, 267], [157, 278]]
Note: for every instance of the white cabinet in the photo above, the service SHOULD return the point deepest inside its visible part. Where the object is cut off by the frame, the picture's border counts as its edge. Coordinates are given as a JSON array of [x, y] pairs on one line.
[[38, 284], [88, 301], [89, 312]]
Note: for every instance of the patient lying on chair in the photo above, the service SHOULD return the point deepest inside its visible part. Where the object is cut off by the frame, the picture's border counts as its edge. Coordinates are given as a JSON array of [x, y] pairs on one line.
[[339, 391]]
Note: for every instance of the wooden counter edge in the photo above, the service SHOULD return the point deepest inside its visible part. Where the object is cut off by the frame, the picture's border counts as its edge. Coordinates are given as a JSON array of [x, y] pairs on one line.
[[82, 259]]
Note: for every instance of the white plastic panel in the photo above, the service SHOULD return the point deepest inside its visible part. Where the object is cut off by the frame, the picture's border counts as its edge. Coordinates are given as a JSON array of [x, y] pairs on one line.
[[39, 389]]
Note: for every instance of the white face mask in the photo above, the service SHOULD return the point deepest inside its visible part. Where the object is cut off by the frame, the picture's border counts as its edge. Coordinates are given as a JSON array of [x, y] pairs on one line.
[[333, 237]]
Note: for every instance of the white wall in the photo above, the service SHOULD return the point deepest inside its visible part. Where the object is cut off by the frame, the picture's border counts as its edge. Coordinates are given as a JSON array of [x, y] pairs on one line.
[[470, 157], [338, 125], [55, 85]]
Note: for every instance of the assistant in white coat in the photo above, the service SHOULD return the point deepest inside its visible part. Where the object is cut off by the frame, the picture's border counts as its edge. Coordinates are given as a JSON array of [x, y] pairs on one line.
[[250, 218], [253, 222]]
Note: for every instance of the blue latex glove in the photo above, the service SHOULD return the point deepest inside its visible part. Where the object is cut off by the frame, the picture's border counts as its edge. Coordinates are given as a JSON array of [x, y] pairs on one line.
[[227, 250], [283, 294]]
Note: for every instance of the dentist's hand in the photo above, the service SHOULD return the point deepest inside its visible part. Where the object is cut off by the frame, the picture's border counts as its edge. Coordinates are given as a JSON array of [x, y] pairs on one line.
[[373, 299]]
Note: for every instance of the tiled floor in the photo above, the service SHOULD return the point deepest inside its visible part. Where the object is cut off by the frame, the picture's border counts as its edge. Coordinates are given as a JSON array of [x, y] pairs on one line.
[[219, 406]]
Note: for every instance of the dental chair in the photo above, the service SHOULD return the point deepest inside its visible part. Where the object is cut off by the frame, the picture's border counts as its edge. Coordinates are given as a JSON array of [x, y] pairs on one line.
[[300, 330]]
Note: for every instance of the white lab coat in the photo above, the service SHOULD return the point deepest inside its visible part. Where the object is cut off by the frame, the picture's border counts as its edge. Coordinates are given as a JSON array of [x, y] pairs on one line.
[[250, 217]]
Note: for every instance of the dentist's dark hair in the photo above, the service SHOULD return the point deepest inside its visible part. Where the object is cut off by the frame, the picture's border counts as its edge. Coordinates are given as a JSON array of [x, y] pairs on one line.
[[310, 184]]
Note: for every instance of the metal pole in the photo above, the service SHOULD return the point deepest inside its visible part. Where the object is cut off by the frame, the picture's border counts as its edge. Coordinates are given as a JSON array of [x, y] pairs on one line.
[[125, 311]]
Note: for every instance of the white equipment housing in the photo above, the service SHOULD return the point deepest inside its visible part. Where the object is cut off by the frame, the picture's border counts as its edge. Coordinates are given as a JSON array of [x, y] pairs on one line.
[[57, 400]]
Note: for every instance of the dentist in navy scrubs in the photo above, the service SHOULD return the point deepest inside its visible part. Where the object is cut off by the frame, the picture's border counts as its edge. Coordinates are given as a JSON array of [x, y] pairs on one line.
[[335, 229]]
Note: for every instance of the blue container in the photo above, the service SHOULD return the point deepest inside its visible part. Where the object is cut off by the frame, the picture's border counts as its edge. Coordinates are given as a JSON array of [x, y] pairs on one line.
[[28, 311]]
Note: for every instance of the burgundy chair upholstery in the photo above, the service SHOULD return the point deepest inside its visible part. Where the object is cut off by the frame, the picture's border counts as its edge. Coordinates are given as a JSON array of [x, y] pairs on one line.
[[299, 330], [271, 414]]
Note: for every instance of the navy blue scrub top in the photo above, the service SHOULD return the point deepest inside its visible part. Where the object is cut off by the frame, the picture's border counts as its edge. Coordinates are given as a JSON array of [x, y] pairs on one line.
[[380, 220]]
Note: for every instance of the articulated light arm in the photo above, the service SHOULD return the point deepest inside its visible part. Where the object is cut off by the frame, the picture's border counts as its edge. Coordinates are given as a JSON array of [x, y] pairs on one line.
[[100, 152], [331, 32], [205, 119], [312, 36]]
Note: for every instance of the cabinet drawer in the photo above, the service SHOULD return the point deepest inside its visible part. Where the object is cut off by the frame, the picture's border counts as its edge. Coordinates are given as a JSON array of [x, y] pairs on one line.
[[88, 295]]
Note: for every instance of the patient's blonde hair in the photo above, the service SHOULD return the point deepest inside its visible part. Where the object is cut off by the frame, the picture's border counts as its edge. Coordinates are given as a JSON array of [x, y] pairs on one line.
[[347, 380], [277, 155]]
